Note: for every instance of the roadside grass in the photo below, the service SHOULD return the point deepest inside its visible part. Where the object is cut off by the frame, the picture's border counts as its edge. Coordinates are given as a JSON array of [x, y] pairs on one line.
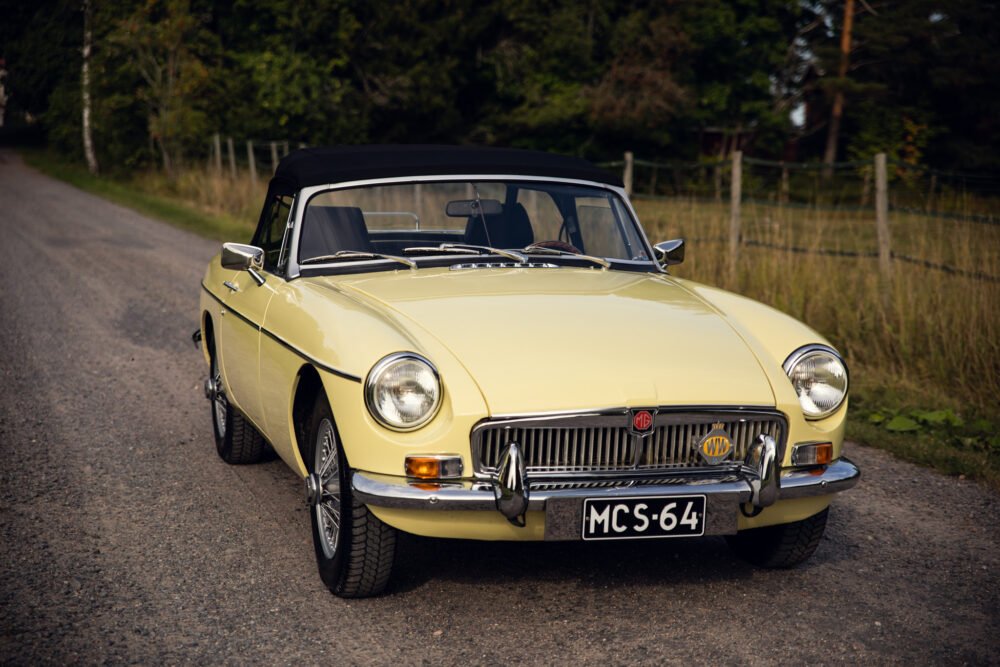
[[149, 195], [923, 348]]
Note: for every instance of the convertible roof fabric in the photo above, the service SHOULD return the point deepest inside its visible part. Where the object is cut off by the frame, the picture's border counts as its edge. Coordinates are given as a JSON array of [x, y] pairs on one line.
[[338, 164]]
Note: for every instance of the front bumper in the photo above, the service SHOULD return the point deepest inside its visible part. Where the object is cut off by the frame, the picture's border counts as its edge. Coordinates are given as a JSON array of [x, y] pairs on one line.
[[562, 503]]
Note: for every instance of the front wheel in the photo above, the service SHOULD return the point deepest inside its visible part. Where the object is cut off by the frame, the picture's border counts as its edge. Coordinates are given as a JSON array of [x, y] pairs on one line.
[[354, 549], [236, 440], [782, 546]]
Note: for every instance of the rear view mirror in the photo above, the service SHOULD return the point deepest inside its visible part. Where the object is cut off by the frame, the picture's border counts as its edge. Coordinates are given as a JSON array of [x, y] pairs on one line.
[[670, 252], [464, 208]]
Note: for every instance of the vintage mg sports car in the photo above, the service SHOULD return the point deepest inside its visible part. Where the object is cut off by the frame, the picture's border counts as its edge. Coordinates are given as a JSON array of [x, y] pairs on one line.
[[483, 344]]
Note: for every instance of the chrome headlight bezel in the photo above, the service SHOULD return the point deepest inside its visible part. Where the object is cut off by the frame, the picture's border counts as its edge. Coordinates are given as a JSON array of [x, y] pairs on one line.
[[376, 374], [806, 352]]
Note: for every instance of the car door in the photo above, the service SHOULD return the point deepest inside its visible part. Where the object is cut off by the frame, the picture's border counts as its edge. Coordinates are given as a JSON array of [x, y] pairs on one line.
[[245, 307], [243, 313]]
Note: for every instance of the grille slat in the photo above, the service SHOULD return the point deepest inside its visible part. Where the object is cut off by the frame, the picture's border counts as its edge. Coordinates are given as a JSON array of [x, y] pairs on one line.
[[567, 445]]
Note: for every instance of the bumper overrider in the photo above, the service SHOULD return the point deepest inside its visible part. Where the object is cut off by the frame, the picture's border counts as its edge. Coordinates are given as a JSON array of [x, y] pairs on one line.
[[755, 485]]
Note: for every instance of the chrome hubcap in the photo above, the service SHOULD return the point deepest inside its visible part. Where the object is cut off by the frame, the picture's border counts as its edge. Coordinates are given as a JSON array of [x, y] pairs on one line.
[[219, 403], [323, 488]]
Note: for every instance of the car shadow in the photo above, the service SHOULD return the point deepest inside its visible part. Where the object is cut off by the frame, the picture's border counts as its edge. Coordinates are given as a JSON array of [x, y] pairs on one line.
[[421, 560]]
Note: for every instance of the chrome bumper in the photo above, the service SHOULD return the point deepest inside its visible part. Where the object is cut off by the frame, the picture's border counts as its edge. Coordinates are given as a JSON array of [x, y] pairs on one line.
[[499, 495]]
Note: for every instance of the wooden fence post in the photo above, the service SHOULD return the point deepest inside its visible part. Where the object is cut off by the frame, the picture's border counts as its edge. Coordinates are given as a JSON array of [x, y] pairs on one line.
[[783, 196], [217, 150], [232, 158], [882, 216], [251, 161], [274, 156], [627, 176], [736, 196]]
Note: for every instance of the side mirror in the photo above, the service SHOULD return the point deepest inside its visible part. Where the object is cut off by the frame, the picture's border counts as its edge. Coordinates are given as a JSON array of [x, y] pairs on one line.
[[242, 257], [670, 252]]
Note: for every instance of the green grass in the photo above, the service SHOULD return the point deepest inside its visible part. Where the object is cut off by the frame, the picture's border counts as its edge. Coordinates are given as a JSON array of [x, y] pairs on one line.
[[218, 226], [953, 437], [924, 349]]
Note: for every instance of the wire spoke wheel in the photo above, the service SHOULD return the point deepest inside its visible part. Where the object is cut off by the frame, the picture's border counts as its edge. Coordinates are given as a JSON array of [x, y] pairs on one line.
[[328, 510], [220, 406]]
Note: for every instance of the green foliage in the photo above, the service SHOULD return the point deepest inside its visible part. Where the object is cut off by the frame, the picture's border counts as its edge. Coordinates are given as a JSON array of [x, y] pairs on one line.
[[664, 79], [165, 42], [941, 437]]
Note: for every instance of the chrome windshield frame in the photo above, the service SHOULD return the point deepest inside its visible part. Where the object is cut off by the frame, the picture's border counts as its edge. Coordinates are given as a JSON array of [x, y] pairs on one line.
[[305, 195]]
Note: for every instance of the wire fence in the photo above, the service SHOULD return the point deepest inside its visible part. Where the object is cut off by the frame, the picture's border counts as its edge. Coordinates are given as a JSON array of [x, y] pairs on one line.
[[940, 220]]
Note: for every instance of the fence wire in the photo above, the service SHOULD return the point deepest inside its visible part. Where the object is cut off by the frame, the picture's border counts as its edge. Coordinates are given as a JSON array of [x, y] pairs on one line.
[[939, 220]]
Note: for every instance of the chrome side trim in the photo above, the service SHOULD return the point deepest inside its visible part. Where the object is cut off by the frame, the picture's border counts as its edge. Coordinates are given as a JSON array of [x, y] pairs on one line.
[[315, 362]]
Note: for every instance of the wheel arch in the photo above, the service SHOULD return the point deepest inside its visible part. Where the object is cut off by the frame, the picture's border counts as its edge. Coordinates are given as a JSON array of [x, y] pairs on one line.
[[308, 384], [207, 336]]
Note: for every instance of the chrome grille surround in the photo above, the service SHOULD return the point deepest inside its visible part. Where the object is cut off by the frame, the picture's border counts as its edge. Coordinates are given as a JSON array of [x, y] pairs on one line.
[[600, 444]]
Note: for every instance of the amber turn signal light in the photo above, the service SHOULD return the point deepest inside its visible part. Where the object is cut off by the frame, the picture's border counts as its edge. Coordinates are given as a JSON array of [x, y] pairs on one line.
[[812, 454], [433, 467]]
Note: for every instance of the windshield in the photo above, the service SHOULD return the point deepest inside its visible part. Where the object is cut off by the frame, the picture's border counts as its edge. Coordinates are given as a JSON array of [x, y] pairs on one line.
[[422, 219]]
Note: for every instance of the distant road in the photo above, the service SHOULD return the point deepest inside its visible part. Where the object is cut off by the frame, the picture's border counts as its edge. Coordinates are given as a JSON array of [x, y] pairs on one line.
[[123, 538]]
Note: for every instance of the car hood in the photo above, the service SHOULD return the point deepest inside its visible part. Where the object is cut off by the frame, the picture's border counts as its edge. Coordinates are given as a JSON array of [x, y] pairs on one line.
[[538, 339]]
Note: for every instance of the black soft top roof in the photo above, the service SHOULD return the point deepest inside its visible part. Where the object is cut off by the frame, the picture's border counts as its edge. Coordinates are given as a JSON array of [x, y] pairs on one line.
[[338, 164]]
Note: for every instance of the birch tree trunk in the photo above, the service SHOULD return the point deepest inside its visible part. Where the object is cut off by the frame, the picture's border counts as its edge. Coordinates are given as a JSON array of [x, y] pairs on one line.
[[88, 141]]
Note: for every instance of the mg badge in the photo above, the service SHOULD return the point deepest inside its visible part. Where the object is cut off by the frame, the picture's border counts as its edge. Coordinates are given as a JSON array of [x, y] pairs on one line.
[[716, 446], [641, 423]]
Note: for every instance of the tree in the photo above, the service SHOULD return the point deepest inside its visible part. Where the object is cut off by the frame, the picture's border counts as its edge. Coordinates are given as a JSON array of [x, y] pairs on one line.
[[88, 139], [837, 110], [164, 41]]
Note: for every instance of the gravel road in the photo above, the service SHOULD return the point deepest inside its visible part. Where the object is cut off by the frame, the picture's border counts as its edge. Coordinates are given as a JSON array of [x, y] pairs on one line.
[[123, 538]]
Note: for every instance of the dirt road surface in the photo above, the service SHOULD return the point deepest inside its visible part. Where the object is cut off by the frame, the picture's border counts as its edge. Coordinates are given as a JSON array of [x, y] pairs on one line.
[[123, 538]]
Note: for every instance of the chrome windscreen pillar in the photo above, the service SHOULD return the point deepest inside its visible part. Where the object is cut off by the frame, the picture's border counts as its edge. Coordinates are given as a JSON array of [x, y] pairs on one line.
[[762, 457], [510, 487]]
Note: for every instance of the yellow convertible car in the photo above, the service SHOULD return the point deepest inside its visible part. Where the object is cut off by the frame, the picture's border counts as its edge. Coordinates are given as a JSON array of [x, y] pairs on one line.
[[482, 343]]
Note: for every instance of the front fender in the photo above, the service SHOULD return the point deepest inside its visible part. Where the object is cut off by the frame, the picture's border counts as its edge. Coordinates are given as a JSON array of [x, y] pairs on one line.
[[343, 336]]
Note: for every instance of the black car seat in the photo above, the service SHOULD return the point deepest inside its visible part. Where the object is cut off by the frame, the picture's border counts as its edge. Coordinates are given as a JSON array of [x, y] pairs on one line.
[[508, 229], [330, 229]]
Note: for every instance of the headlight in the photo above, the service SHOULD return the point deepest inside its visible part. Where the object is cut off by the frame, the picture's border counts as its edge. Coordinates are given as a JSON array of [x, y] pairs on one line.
[[820, 379], [403, 391]]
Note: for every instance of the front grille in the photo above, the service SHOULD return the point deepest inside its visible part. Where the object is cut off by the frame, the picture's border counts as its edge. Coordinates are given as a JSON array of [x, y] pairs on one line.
[[602, 443]]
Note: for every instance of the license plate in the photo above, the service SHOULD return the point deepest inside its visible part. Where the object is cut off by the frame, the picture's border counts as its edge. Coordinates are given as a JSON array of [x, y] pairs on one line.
[[643, 517]]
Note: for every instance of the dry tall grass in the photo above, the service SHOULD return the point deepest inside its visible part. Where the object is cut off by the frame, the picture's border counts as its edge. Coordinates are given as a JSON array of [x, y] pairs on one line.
[[932, 332], [240, 199]]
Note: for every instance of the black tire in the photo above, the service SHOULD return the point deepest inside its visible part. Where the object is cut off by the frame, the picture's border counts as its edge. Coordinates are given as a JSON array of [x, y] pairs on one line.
[[781, 546], [236, 439], [356, 560]]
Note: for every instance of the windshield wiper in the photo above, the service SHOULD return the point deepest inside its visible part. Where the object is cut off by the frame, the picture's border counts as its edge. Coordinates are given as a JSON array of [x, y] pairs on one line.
[[543, 250], [518, 257], [352, 255], [434, 250]]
